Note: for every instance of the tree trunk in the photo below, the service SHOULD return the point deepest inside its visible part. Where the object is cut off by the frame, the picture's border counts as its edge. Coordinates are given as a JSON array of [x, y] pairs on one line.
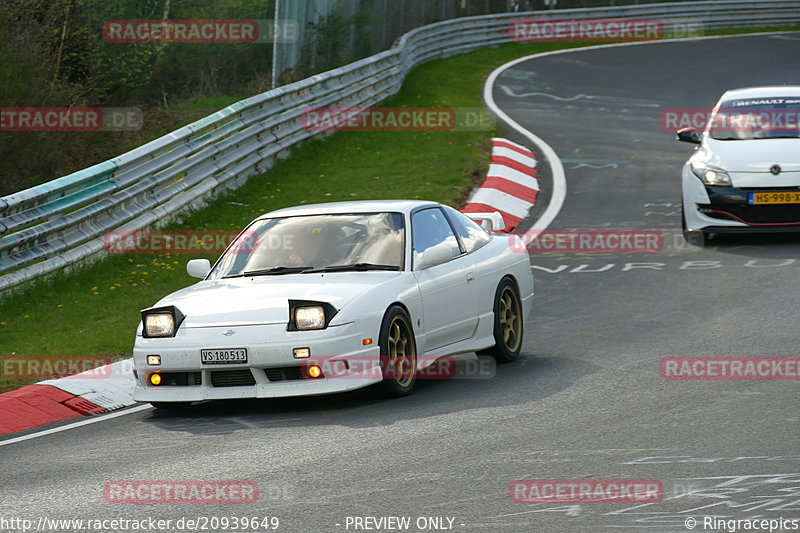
[[61, 46]]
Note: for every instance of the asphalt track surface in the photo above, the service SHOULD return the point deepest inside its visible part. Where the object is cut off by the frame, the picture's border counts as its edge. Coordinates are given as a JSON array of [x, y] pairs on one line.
[[585, 401]]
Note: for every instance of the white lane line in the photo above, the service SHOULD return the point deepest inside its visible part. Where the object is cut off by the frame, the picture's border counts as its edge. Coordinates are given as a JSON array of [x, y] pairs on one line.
[[559, 179], [76, 424], [633, 102]]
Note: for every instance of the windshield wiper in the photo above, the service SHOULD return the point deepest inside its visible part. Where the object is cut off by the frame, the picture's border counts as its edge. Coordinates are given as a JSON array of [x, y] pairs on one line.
[[355, 266], [272, 271]]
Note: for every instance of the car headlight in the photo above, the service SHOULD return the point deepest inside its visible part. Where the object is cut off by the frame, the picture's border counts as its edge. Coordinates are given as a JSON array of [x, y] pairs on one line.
[[712, 176], [309, 317], [161, 322], [305, 315]]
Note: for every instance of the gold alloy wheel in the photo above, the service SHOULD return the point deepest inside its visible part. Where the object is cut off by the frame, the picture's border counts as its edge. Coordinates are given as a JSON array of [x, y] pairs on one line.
[[402, 351], [510, 317]]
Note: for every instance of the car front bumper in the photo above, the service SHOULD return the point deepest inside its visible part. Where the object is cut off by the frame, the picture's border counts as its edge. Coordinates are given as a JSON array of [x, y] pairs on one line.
[[727, 209], [270, 371]]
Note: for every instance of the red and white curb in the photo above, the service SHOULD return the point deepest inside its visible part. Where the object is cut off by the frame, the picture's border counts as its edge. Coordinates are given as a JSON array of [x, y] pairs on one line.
[[511, 185], [73, 397]]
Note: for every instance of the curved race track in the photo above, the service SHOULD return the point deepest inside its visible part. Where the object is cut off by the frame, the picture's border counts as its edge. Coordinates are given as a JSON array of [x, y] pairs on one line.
[[586, 399]]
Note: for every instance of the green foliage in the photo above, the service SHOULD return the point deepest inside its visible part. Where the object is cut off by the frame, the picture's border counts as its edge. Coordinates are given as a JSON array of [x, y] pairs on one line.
[[153, 72]]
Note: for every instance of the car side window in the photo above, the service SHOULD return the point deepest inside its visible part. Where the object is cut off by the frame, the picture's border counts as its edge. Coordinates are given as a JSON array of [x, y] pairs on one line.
[[471, 234], [430, 228]]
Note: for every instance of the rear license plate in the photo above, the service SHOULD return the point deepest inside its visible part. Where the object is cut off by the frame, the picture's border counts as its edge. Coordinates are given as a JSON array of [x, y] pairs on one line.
[[763, 198], [225, 355]]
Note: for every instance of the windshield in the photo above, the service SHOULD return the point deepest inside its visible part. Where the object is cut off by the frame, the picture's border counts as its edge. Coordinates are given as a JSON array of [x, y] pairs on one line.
[[756, 118], [313, 243]]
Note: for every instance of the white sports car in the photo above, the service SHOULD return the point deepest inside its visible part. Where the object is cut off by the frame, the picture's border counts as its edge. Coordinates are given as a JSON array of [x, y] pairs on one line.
[[305, 295], [745, 174]]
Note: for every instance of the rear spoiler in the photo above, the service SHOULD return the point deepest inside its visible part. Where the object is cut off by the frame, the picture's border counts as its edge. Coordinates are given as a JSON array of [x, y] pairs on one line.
[[489, 221]]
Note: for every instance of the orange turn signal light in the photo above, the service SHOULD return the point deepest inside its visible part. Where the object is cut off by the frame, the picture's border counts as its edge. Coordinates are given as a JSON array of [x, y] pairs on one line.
[[367, 341], [314, 371], [155, 379]]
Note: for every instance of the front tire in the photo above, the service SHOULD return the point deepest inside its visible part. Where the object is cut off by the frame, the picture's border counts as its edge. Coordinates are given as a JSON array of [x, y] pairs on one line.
[[398, 353], [508, 323]]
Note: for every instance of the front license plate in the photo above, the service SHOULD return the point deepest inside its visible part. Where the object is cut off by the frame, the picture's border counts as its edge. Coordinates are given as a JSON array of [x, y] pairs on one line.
[[225, 355], [762, 198]]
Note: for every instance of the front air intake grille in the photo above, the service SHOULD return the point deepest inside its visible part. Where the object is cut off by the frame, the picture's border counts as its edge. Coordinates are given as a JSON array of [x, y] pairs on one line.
[[286, 373], [232, 378], [755, 214]]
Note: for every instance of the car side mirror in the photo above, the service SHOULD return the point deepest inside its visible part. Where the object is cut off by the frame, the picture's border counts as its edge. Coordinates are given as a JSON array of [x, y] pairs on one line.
[[689, 135], [198, 268], [435, 255]]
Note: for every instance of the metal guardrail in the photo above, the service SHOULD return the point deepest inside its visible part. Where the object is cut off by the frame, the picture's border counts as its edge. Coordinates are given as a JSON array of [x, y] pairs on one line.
[[61, 223]]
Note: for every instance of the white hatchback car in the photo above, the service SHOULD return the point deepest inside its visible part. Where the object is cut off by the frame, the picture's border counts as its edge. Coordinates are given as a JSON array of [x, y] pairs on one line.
[[313, 299], [745, 174]]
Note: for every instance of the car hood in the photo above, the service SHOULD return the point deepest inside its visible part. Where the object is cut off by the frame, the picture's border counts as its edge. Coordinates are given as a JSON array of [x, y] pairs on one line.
[[748, 162], [264, 299], [751, 156]]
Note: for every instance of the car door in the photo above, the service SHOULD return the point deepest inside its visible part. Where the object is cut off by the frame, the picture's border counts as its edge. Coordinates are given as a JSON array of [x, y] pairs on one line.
[[449, 297]]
